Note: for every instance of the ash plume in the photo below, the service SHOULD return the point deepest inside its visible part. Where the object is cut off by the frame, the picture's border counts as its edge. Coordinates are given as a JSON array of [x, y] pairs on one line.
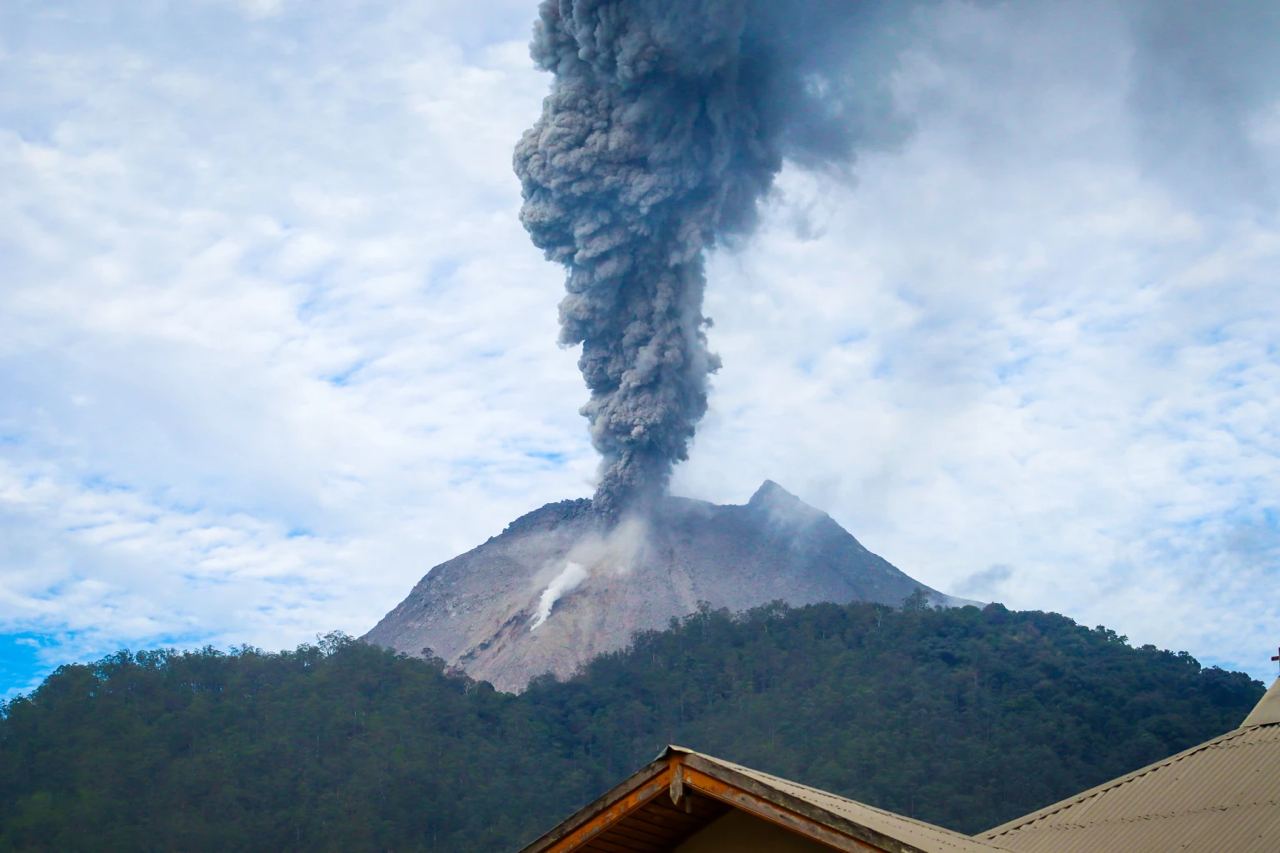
[[666, 124]]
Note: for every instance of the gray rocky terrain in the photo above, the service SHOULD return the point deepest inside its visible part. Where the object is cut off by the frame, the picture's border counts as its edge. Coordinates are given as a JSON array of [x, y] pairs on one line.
[[559, 587]]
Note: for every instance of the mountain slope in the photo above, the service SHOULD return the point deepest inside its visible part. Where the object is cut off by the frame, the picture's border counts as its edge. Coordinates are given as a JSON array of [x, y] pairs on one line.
[[555, 589]]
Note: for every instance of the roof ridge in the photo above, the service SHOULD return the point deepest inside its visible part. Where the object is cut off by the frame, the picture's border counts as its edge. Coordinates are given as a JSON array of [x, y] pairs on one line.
[[1267, 711], [1270, 801], [1112, 784]]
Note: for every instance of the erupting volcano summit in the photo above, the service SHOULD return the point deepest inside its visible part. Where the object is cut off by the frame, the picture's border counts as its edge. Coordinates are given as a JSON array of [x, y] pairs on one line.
[[562, 584]]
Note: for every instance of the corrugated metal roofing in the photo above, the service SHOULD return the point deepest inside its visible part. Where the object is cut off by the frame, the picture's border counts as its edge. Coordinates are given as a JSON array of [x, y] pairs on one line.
[[1221, 795], [917, 834], [1267, 710]]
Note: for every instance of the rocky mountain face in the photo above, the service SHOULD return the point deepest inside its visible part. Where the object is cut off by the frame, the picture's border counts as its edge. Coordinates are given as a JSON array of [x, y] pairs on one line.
[[559, 587]]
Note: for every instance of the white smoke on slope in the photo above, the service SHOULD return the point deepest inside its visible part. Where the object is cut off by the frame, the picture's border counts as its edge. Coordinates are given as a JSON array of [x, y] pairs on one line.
[[616, 552], [569, 579]]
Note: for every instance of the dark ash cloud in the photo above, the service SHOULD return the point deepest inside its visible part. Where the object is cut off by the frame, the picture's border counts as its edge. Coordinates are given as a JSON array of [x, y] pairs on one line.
[[665, 126]]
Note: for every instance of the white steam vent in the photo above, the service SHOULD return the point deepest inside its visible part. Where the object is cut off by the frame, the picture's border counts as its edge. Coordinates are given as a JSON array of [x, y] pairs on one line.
[[610, 555], [569, 578]]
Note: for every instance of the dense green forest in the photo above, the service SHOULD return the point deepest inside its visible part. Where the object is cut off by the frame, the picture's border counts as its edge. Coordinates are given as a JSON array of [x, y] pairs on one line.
[[962, 717]]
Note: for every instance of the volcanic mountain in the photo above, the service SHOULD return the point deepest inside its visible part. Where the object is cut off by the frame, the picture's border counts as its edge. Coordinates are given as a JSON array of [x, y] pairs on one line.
[[560, 586]]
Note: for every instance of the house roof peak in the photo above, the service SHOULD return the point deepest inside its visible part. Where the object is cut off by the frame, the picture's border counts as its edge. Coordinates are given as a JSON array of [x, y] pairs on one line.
[[1267, 711]]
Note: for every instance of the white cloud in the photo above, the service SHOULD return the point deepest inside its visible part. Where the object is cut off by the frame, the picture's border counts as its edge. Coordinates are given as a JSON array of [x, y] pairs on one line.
[[251, 309], [261, 8], [272, 341]]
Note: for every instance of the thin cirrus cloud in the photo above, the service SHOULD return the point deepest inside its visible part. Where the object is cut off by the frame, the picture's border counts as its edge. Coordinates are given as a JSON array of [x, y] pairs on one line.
[[272, 341]]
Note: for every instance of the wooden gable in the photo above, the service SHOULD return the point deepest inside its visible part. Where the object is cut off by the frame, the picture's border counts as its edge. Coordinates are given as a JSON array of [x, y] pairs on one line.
[[684, 798]]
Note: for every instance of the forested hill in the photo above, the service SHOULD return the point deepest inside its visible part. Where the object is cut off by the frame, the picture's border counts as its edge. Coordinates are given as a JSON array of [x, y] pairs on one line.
[[962, 717]]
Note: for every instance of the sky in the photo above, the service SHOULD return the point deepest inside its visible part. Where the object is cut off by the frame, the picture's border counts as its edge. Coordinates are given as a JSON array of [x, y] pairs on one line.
[[273, 341]]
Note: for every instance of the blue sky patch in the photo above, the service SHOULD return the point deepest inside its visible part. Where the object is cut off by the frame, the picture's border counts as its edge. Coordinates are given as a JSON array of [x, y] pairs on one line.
[[21, 667]]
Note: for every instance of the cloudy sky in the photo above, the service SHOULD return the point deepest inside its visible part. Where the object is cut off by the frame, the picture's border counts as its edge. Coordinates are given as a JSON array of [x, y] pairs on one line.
[[273, 342]]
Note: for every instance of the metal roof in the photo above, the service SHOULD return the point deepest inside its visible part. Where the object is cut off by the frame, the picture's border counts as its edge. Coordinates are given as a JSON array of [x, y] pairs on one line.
[[1267, 710], [1221, 795]]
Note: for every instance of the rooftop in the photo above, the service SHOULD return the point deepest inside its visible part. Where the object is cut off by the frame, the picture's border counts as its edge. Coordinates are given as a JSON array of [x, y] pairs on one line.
[[682, 792], [1221, 795]]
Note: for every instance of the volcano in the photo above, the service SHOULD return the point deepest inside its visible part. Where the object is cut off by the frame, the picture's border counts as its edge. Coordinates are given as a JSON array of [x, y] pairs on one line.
[[560, 585]]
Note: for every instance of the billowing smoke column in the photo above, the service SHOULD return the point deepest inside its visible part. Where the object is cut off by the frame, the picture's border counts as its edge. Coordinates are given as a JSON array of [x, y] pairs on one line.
[[666, 123]]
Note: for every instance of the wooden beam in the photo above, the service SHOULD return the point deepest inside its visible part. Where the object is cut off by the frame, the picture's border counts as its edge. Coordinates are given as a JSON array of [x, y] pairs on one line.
[[762, 808], [615, 812]]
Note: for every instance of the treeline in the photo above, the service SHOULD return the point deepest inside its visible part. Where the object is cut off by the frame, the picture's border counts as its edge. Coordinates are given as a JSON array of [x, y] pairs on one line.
[[961, 717]]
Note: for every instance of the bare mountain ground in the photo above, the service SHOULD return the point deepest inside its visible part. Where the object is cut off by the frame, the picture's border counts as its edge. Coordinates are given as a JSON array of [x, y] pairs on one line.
[[559, 587]]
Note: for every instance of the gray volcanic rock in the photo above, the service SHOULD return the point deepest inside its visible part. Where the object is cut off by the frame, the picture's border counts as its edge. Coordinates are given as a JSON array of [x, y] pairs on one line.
[[558, 587]]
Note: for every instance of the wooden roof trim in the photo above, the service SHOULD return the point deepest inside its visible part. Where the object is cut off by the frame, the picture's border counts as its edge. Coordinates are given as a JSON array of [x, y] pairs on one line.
[[601, 813], [677, 768], [604, 820]]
